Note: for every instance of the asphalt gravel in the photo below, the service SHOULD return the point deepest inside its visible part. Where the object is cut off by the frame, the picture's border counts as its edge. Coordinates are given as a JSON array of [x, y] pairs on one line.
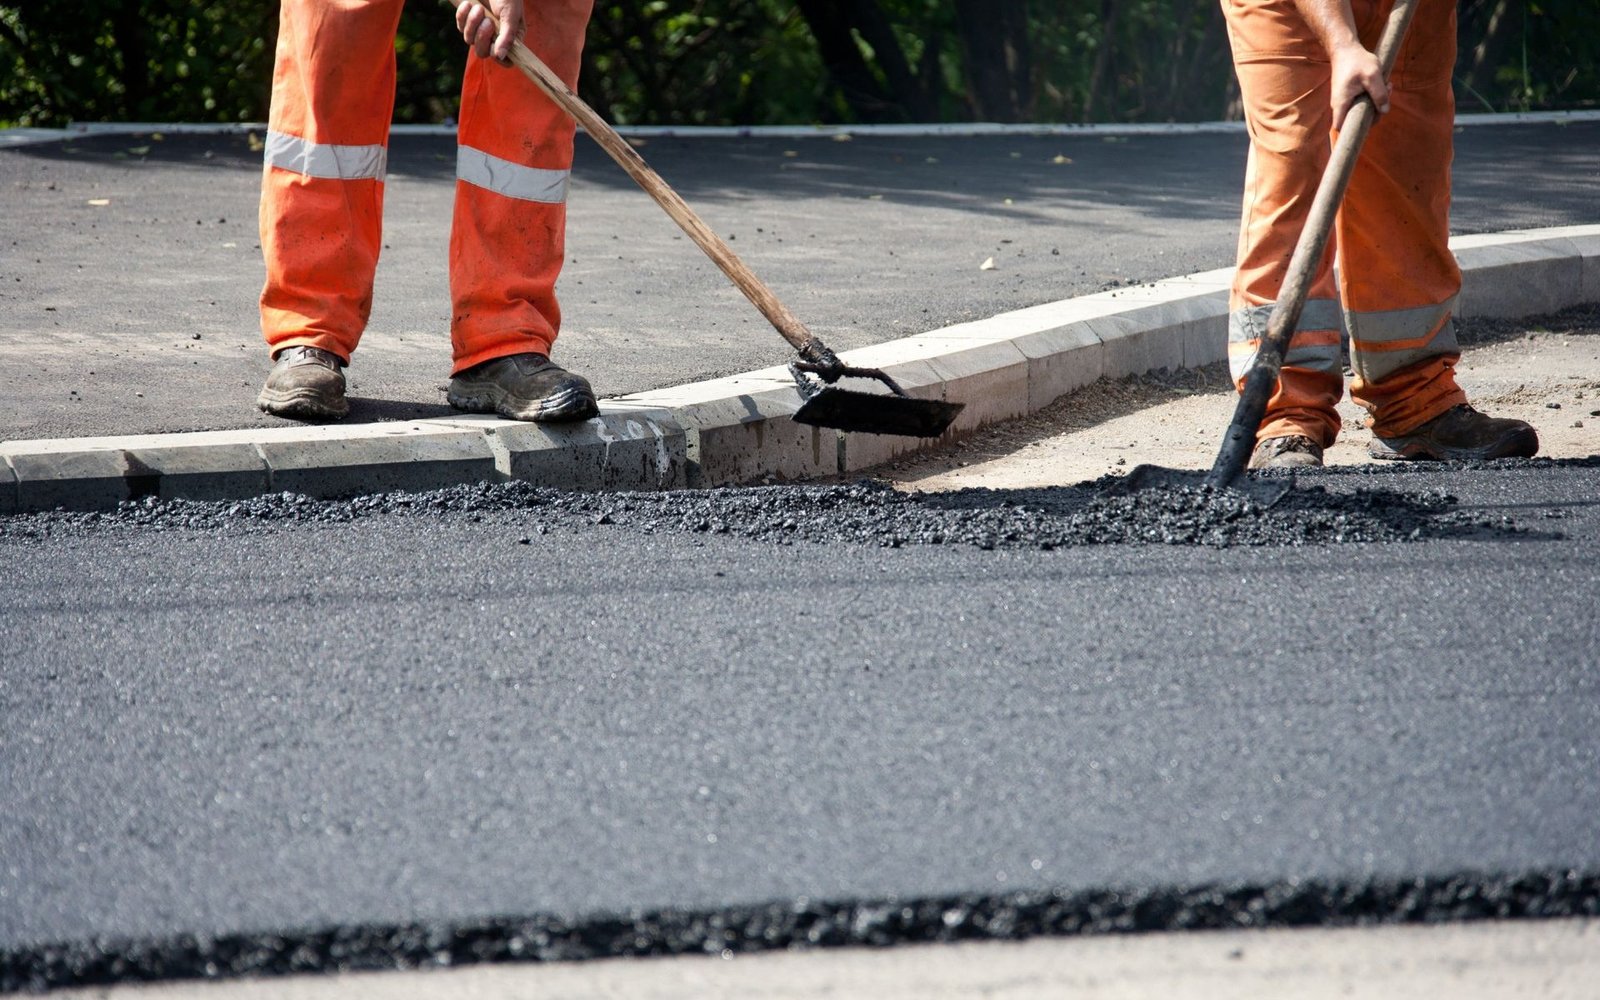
[[1326, 507]]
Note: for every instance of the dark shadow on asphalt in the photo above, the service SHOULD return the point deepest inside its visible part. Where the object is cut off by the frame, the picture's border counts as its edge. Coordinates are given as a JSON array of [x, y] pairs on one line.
[[1028, 178], [1165, 177]]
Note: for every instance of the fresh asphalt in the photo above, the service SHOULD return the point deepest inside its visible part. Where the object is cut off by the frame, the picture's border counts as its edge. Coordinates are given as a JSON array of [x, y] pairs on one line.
[[358, 714], [138, 315]]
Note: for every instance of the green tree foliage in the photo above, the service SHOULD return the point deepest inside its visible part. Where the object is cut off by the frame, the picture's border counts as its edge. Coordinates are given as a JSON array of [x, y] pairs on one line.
[[1518, 55], [764, 61], [97, 60], [702, 62]]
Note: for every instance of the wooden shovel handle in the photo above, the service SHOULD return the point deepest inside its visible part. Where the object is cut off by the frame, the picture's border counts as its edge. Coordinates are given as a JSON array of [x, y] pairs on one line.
[[762, 297]]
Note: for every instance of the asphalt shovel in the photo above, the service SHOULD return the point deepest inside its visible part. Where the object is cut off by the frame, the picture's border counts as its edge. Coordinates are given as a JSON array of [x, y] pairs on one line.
[[1228, 472], [823, 404]]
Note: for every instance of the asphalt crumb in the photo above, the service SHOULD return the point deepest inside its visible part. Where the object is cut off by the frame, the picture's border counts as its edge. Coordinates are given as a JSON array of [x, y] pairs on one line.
[[1323, 509], [804, 923]]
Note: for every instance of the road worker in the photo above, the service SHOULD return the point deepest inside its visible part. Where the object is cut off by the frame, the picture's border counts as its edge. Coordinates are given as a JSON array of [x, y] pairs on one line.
[[333, 94], [1302, 64]]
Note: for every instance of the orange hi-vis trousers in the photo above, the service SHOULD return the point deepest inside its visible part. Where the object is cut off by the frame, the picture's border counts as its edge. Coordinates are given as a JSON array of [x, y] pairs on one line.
[[1397, 279], [333, 91]]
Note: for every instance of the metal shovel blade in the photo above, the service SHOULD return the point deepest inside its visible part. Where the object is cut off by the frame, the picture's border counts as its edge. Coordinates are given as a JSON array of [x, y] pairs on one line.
[[876, 413], [1265, 492]]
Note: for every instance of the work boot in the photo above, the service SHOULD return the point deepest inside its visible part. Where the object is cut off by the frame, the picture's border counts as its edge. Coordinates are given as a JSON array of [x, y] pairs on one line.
[[1460, 434], [1296, 451], [306, 383], [523, 387]]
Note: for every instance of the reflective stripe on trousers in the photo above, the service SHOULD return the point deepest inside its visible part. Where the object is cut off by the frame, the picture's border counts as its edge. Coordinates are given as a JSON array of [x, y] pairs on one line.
[[1316, 344], [312, 159], [513, 180], [1384, 342]]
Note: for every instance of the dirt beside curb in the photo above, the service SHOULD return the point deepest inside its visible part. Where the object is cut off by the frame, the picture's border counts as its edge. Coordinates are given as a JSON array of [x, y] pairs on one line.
[[1545, 372]]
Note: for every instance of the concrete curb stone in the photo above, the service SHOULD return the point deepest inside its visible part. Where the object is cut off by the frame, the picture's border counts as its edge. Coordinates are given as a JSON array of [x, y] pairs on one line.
[[625, 448], [8, 488], [102, 472], [737, 429], [337, 461], [1508, 279]]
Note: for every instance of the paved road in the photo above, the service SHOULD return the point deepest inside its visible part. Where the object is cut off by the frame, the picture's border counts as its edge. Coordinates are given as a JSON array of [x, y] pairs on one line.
[[138, 315], [419, 717]]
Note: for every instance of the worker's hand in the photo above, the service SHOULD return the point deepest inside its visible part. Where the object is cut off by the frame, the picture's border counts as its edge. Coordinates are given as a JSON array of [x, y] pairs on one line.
[[479, 30], [1356, 72]]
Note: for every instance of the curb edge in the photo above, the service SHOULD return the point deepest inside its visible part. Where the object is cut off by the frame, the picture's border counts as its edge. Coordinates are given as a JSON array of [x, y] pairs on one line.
[[736, 429]]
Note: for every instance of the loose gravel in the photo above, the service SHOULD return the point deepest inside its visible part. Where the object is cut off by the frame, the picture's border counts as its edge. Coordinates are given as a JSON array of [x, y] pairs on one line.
[[1323, 508]]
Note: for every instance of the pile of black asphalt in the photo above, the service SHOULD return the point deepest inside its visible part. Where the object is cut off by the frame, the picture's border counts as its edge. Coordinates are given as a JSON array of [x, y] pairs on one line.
[[1323, 507]]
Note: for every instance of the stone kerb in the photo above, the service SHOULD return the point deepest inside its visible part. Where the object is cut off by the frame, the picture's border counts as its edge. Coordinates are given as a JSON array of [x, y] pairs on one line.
[[739, 429]]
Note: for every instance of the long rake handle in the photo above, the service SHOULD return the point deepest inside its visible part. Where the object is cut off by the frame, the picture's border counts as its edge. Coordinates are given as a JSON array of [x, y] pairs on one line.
[[785, 322], [1262, 378]]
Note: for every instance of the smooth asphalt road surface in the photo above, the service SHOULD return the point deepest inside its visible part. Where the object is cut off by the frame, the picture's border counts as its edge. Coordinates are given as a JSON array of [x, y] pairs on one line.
[[139, 314], [347, 718]]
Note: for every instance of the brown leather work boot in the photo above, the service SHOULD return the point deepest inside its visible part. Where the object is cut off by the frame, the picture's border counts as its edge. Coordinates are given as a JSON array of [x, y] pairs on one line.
[[1295, 451], [306, 383], [1460, 434], [523, 387]]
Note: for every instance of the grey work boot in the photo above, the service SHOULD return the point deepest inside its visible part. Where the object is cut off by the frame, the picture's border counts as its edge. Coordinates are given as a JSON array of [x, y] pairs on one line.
[[1460, 434], [306, 383], [523, 387], [1296, 451]]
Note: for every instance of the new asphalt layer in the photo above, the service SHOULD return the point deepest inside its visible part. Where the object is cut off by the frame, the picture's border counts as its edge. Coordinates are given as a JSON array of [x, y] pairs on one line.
[[461, 726]]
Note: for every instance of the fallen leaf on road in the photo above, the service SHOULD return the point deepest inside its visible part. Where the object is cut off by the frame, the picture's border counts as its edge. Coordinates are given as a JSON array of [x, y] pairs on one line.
[[1061, 159], [139, 150], [255, 143], [987, 265]]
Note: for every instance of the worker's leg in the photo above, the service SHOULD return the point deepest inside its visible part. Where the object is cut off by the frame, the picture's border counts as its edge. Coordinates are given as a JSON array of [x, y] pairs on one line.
[[508, 237], [1399, 279], [322, 189], [1284, 81], [1397, 275]]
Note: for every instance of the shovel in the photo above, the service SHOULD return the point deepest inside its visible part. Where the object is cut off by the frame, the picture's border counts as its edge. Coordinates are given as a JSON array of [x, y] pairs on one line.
[[1228, 472], [823, 404]]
